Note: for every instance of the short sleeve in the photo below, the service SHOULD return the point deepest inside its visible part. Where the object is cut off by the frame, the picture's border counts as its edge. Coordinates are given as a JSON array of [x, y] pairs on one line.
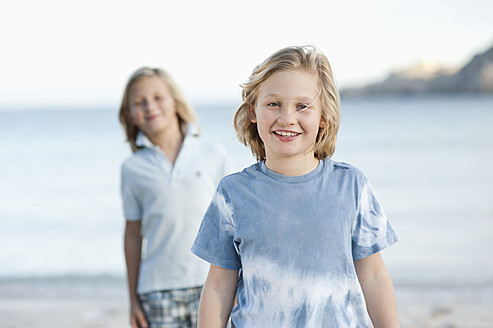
[[215, 240], [132, 210], [371, 231]]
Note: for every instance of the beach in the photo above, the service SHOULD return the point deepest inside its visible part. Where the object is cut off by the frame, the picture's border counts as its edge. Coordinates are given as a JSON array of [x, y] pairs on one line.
[[102, 302], [68, 302]]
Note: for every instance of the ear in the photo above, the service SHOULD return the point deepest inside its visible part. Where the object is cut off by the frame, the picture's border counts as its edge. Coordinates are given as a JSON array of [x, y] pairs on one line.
[[251, 114], [323, 123]]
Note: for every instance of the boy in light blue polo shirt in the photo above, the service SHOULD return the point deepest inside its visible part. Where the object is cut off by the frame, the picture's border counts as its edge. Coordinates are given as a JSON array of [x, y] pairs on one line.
[[295, 237], [166, 187]]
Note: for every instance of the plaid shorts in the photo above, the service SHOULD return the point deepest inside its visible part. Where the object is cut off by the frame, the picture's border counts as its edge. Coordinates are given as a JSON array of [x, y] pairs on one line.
[[177, 308]]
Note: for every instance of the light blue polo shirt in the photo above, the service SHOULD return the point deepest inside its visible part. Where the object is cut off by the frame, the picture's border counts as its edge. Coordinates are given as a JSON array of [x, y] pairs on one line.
[[294, 240], [171, 200]]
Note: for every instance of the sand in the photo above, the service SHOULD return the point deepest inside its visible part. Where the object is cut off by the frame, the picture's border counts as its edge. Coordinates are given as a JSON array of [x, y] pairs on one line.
[[76, 303], [445, 306]]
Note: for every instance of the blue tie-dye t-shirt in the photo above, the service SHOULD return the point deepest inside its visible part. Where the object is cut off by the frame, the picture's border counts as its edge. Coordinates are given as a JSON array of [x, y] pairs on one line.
[[293, 240]]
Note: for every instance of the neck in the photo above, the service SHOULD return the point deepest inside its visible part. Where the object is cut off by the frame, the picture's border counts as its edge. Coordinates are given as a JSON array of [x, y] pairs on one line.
[[292, 166], [170, 142]]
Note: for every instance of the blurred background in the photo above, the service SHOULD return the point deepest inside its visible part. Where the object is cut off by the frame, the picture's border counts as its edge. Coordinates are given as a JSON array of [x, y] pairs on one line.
[[416, 79]]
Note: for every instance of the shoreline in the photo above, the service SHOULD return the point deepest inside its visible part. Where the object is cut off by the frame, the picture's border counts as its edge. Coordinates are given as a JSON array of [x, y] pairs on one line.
[[101, 302]]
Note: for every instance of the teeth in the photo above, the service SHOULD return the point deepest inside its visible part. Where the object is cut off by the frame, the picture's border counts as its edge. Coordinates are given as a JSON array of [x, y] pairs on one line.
[[286, 133]]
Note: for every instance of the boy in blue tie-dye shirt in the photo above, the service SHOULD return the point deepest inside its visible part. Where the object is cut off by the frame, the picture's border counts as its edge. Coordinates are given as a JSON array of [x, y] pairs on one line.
[[295, 237]]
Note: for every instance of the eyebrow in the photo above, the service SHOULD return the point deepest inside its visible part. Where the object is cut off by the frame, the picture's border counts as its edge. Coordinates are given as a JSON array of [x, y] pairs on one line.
[[302, 98]]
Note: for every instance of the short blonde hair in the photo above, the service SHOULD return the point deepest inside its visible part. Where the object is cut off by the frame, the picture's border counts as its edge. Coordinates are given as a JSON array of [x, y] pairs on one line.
[[186, 113], [307, 58]]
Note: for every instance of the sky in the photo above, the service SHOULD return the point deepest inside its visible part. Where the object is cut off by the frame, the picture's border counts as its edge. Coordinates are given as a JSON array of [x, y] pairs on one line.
[[79, 54]]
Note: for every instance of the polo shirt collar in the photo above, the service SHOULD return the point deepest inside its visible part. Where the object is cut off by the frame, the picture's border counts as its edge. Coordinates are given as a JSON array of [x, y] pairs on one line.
[[143, 141], [191, 131]]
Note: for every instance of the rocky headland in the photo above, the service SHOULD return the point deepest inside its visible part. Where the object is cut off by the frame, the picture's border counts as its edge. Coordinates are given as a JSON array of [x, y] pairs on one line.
[[476, 77]]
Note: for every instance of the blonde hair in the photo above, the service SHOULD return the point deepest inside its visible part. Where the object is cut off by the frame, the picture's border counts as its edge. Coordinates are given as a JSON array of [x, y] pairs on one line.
[[185, 112], [307, 58]]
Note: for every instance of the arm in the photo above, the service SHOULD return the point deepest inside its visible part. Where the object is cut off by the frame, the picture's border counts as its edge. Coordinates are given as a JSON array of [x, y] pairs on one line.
[[378, 291], [133, 249], [217, 298]]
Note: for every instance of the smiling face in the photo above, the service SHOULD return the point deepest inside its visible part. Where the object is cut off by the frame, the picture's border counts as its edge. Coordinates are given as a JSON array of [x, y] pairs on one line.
[[288, 117], [151, 107]]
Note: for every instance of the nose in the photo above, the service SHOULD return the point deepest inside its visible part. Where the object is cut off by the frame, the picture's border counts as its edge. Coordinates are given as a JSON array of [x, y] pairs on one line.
[[287, 116], [149, 105]]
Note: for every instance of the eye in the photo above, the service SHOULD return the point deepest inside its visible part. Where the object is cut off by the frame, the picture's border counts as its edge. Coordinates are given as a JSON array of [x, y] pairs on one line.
[[301, 107], [274, 104], [138, 103]]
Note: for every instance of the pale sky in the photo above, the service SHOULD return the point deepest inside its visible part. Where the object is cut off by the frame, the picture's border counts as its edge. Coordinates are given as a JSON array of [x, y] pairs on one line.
[[62, 54]]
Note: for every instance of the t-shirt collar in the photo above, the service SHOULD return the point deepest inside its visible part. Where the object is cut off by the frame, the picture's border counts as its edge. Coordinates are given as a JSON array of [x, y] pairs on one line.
[[322, 165]]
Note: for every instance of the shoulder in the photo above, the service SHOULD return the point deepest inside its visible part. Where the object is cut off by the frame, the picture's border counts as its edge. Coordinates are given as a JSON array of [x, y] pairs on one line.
[[347, 170], [135, 160], [240, 178]]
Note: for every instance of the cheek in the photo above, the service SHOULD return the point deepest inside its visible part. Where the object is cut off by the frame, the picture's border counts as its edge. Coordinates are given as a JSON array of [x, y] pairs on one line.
[[313, 126], [133, 116], [264, 122], [170, 106], [265, 117], [262, 130]]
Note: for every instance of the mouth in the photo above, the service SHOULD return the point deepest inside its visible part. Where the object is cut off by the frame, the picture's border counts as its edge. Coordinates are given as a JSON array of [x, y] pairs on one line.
[[151, 117], [286, 135]]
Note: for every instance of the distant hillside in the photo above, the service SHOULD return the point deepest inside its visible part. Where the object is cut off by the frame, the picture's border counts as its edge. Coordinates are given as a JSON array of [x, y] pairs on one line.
[[475, 77]]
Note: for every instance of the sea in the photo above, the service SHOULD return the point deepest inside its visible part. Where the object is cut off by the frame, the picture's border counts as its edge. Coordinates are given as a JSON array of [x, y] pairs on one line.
[[430, 160]]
